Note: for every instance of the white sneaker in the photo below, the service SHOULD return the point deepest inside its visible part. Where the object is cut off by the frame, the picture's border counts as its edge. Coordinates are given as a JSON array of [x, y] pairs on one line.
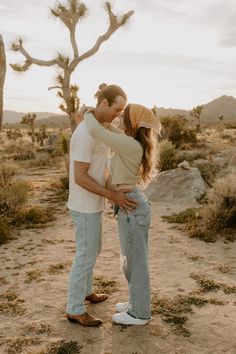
[[125, 319], [122, 306]]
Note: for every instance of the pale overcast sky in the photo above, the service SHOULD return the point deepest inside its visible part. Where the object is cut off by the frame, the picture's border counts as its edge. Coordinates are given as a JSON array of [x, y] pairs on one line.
[[175, 53]]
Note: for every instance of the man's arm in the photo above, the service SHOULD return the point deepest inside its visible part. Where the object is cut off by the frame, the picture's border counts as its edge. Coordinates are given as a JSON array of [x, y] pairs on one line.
[[83, 179]]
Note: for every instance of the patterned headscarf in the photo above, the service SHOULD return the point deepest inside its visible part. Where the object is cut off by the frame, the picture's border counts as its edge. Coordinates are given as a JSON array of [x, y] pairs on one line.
[[141, 116]]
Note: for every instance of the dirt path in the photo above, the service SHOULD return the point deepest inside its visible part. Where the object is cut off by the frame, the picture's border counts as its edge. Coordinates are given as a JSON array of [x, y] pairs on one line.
[[34, 273]]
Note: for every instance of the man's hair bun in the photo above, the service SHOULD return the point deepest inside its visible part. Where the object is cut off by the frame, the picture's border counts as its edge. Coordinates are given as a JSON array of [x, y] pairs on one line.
[[102, 86]]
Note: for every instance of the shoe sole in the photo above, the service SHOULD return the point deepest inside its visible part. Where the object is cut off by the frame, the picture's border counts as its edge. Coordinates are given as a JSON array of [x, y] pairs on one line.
[[129, 324], [73, 320]]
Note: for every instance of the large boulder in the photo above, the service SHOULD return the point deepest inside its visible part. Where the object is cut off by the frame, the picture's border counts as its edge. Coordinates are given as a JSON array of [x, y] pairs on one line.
[[179, 186]]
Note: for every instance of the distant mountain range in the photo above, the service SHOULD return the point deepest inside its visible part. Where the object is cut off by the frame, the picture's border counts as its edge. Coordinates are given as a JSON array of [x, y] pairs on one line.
[[223, 106], [13, 119]]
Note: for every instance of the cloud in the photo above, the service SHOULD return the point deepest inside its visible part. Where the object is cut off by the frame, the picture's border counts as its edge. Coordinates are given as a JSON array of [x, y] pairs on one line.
[[155, 59], [220, 16]]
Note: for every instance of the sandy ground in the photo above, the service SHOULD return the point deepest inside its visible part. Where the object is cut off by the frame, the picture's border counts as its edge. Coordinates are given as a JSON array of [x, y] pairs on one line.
[[34, 274]]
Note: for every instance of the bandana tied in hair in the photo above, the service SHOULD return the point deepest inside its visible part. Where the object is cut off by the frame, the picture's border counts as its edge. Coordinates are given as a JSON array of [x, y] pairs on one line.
[[141, 116]]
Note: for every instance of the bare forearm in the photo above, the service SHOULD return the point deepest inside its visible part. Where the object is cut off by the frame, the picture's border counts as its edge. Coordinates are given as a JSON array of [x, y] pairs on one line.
[[88, 183]]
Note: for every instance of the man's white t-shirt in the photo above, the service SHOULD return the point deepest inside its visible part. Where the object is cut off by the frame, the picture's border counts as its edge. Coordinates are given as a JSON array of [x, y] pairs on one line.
[[85, 148]]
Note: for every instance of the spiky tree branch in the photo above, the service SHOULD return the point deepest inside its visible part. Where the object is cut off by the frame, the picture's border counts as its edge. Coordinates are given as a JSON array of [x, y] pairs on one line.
[[70, 13]]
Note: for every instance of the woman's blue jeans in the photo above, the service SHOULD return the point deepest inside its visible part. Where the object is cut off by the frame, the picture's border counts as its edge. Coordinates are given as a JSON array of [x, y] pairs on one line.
[[133, 233], [88, 245]]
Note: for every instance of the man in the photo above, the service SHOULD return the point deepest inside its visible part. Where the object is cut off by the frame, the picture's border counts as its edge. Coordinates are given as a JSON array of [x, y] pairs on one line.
[[87, 193]]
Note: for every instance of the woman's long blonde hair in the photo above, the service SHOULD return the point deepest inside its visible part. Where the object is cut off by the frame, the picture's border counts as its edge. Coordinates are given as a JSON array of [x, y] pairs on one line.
[[148, 140]]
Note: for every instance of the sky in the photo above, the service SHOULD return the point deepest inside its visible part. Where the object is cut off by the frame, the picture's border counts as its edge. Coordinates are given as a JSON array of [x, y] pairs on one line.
[[172, 53]]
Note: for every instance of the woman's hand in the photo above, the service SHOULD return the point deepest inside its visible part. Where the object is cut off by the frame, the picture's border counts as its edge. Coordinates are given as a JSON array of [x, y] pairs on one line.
[[80, 115]]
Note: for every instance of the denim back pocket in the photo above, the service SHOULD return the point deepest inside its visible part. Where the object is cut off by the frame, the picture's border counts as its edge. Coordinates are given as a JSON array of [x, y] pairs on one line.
[[143, 215]]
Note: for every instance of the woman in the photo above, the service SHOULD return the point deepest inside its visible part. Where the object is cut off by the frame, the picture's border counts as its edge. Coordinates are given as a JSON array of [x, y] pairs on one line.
[[132, 166]]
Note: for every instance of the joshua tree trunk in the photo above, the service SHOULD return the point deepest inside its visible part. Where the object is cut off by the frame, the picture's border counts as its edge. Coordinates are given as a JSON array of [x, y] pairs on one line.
[[2, 76]]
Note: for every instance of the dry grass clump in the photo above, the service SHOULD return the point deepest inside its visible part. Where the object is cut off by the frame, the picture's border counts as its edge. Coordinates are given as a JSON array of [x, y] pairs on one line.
[[105, 286], [11, 303], [173, 310], [36, 328], [5, 230], [18, 345], [12, 198], [33, 275], [7, 173], [41, 160], [223, 268], [57, 268], [33, 217], [209, 170], [216, 217], [207, 284], [62, 347], [184, 216], [20, 150], [3, 281], [14, 212]]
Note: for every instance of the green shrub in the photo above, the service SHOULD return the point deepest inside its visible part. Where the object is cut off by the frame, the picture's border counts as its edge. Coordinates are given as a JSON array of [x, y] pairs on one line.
[[177, 131], [168, 156]]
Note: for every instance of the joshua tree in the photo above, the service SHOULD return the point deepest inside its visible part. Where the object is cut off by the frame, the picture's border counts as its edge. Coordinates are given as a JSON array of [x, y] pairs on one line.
[[196, 113], [29, 120], [70, 13], [155, 110], [2, 76]]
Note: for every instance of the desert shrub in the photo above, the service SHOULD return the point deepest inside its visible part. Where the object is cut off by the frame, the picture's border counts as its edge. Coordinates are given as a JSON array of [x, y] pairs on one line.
[[167, 156], [20, 150], [183, 217], [14, 134], [218, 216], [58, 144], [208, 169], [41, 160], [33, 215], [191, 156], [177, 131], [5, 230], [7, 173], [25, 153], [13, 197]]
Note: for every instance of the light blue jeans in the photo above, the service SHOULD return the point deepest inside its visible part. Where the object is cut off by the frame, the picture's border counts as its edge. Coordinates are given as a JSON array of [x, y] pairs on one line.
[[88, 238], [133, 233]]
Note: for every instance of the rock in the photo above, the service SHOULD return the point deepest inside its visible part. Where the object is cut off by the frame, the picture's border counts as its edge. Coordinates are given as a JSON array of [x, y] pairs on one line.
[[185, 165], [178, 186]]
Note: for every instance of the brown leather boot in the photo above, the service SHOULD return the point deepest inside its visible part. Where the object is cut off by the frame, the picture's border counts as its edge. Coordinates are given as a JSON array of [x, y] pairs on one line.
[[85, 319], [96, 298]]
